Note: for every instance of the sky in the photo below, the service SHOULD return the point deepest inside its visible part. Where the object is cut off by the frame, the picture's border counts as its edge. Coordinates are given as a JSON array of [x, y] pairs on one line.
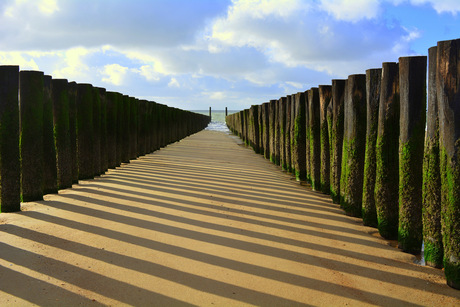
[[196, 54]]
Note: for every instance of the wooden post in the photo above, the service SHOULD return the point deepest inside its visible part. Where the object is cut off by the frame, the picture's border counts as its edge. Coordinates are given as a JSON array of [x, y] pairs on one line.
[[315, 138], [96, 131], [49, 148], [266, 130], [10, 170], [72, 87], [287, 134], [31, 93], [373, 79], [448, 91], [431, 212], [60, 100], [354, 142], [282, 127], [299, 145], [104, 141], [412, 83], [338, 98], [387, 154], [85, 132], [325, 95], [111, 129]]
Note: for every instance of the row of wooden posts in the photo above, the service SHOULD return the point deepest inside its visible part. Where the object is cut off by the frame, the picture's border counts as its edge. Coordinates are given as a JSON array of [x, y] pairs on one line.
[[371, 142], [54, 133]]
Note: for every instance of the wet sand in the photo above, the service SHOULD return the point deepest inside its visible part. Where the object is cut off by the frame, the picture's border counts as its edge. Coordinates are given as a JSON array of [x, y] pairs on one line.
[[203, 222]]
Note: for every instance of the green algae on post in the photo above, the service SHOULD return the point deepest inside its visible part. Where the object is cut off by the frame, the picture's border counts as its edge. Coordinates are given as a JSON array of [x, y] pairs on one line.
[[10, 170], [387, 154], [338, 97], [354, 142], [60, 100], [31, 93], [373, 79], [448, 91], [412, 83], [325, 95], [431, 210], [49, 148], [282, 127]]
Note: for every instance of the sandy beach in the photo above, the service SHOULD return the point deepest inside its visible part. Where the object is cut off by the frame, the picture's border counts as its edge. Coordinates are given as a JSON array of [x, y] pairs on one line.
[[206, 222]]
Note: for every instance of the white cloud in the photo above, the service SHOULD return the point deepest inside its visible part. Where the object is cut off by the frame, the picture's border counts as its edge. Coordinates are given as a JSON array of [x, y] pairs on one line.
[[24, 60], [173, 83], [114, 73], [351, 10], [441, 6]]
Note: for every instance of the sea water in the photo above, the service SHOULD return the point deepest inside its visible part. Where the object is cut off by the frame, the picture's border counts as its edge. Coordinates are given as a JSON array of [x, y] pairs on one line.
[[217, 119]]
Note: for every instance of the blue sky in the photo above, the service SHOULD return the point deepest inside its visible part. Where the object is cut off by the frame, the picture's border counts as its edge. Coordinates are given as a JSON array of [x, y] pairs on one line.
[[195, 54]]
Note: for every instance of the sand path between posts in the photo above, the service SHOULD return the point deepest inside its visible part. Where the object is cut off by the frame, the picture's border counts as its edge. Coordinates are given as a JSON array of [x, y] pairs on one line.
[[206, 222]]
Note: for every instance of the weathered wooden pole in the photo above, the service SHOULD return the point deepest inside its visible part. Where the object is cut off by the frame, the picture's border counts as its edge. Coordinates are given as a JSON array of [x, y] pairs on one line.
[[354, 146], [373, 79], [60, 100], [299, 146], [431, 212], [85, 131], [49, 148], [125, 129], [141, 128], [120, 124], [287, 134], [133, 123], [261, 130], [104, 141], [72, 87], [282, 126], [325, 95], [292, 132], [111, 129], [96, 132], [277, 141], [253, 116], [307, 139], [448, 91], [10, 169], [338, 98], [387, 154], [271, 127], [315, 138], [210, 113], [412, 85], [226, 112], [31, 93], [266, 129]]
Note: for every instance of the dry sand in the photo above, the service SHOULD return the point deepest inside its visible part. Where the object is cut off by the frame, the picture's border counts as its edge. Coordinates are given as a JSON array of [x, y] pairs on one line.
[[203, 222]]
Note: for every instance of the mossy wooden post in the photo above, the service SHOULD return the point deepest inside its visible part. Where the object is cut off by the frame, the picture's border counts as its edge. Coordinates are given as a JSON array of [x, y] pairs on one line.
[[104, 154], [271, 127], [373, 79], [60, 101], [338, 98], [412, 87], [261, 129], [246, 126], [287, 135], [85, 132], [111, 129], [431, 210], [49, 148], [253, 119], [292, 132], [277, 142], [354, 146], [325, 95], [307, 139], [141, 128], [299, 159], [315, 138], [10, 169], [96, 132], [266, 131], [282, 127], [31, 93], [448, 91], [72, 86], [387, 154]]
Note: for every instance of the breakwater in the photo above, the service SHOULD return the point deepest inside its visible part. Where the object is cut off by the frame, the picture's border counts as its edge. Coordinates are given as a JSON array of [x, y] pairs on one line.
[[372, 143], [54, 133]]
